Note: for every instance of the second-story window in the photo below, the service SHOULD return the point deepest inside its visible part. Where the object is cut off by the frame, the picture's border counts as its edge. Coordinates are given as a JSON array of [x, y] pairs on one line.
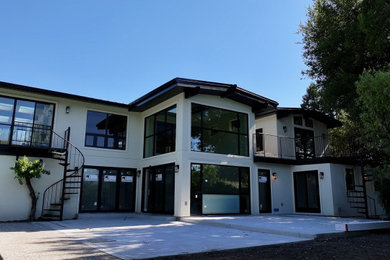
[[218, 130], [160, 132], [106, 130], [25, 122]]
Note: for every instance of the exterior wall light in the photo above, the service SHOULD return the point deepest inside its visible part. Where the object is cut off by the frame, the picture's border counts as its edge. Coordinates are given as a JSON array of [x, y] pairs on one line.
[[274, 176], [138, 173], [285, 129], [177, 168], [67, 109], [321, 175]]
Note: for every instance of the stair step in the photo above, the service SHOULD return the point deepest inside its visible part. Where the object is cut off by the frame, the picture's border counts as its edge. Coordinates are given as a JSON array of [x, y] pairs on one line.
[[356, 207], [55, 204], [52, 210], [72, 170], [72, 181], [70, 193], [64, 163]]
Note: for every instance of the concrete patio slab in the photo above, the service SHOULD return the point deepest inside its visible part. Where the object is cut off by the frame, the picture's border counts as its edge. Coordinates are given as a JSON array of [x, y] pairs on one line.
[[305, 226], [129, 236], [132, 235]]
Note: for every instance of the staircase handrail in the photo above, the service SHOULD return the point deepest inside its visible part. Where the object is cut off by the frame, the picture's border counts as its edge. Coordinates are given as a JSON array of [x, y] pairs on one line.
[[65, 144]]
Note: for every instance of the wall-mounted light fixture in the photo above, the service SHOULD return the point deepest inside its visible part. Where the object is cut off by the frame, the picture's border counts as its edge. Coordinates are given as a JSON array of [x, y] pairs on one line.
[[321, 175], [67, 109], [138, 173], [285, 129], [274, 176], [177, 167]]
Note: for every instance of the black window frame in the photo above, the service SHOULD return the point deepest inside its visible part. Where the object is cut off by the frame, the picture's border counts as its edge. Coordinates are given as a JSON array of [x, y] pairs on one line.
[[156, 133], [259, 140], [32, 126], [199, 191], [106, 136], [117, 190], [201, 128]]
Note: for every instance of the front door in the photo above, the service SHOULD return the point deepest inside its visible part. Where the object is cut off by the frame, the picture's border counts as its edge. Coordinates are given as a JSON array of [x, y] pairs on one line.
[[264, 191], [159, 186], [307, 198]]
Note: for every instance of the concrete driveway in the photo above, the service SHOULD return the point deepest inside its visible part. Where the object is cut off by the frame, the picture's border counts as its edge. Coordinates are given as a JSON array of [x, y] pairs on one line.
[[130, 236]]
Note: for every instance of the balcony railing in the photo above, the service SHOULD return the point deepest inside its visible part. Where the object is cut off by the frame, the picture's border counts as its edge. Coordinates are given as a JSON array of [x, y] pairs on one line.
[[272, 146]]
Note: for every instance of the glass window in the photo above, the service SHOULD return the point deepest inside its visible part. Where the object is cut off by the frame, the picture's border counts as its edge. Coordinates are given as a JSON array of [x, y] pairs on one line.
[[217, 189], [308, 122], [30, 121], [106, 130], [298, 120], [304, 144], [219, 131], [160, 132]]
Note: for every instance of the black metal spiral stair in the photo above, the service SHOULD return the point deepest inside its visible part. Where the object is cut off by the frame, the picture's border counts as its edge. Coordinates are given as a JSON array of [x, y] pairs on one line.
[[68, 188], [358, 198]]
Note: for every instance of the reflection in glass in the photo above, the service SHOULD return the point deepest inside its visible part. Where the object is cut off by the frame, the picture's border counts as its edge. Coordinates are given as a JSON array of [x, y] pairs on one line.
[[89, 199], [219, 131], [105, 130], [160, 132]]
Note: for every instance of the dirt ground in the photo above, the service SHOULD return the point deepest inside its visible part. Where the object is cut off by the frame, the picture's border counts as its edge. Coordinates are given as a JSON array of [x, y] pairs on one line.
[[374, 245]]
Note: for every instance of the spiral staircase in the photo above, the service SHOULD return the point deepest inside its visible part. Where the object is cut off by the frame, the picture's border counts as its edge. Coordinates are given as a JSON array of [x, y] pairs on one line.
[[66, 190]]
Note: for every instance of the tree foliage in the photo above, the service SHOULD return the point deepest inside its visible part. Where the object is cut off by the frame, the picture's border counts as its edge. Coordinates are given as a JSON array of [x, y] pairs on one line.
[[26, 170], [373, 89], [341, 39]]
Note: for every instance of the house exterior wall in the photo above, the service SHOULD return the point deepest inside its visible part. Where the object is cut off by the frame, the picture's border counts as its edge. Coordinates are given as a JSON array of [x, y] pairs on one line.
[[333, 201]]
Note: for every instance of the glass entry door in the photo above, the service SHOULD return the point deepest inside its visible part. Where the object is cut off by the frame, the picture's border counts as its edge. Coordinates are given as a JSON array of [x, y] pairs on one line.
[[108, 190], [159, 186], [264, 191], [307, 198]]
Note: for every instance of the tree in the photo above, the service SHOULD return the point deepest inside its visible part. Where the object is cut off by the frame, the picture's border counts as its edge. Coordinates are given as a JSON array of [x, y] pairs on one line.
[[341, 39], [26, 170], [311, 100], [373, 90]]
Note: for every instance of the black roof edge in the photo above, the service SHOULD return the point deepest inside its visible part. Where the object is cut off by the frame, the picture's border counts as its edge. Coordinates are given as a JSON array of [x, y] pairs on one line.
[[184, 83], [328, 120], [53, 93]]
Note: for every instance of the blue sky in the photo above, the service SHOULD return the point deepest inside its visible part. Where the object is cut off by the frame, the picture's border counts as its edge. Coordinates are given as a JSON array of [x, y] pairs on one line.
[[119, 50]]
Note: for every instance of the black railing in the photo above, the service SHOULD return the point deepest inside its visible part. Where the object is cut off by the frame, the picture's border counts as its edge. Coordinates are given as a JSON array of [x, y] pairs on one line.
[[31, 135], [273, 146], [73, 161]]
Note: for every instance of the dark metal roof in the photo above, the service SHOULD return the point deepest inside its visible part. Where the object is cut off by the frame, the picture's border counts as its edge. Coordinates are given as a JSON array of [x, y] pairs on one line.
[[174, 87], [286, 111], [6, 85], [192, 87]]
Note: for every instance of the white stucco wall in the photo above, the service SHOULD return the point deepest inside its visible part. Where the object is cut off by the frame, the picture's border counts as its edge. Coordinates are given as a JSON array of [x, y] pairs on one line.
[[15, 202]]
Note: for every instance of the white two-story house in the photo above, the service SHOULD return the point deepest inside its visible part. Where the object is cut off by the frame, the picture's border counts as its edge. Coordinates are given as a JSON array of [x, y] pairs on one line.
[[186, 148]]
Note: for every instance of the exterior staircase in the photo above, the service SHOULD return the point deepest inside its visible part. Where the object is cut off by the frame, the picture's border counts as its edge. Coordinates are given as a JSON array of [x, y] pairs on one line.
[[358, 198], [68, 188]]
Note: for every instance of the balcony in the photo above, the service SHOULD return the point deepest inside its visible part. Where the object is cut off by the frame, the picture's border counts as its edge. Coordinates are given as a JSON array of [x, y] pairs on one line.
[[273, 148], [22, 138]]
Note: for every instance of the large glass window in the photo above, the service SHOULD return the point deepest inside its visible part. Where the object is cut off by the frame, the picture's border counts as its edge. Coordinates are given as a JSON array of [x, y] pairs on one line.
[[217, 189], [25, 123], [106, 130], [160, 132], [108, 189], [218, 130], [304, 144]]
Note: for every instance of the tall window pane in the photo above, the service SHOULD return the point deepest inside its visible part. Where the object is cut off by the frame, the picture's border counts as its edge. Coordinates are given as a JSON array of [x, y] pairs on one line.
[[219, 131], [160, 132], [6, 115]]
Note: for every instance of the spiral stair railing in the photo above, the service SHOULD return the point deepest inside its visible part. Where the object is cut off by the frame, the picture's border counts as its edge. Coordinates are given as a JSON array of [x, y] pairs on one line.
[[72, 160]]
